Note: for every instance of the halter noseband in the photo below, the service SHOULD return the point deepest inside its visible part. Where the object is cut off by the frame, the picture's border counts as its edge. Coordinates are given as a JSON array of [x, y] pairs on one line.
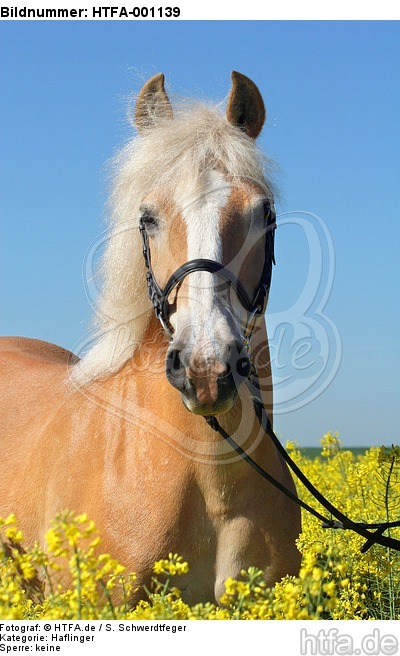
[[159, 297]]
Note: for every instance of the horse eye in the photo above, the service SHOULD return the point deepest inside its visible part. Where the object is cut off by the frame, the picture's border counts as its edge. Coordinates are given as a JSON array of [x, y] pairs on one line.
[[269, 212], [267, 209], [149, 220]]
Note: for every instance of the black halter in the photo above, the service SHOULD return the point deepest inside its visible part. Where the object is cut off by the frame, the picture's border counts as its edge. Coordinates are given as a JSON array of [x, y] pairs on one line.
[[256, 306]]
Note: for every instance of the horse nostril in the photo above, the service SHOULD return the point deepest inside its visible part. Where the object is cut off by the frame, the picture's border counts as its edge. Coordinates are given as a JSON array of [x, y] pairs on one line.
[[173, 364], [243, 367]]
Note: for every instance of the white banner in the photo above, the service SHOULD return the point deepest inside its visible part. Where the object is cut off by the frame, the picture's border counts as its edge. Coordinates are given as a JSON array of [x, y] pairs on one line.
[[179, 638], [173, 10]]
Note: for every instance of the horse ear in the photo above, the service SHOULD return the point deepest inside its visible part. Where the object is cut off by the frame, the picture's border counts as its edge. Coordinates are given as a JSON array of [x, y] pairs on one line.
[[152, 104], [245, 107]]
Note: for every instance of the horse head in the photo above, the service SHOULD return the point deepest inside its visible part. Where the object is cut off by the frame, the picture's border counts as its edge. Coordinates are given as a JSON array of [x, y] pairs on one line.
[[208, 243]]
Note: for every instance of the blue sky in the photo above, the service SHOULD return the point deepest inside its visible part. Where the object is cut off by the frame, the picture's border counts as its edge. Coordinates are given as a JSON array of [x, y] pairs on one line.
[[332, 93]]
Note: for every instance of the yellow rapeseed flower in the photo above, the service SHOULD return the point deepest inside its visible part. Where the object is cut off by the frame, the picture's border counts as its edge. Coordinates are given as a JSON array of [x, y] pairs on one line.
[[336, 580]]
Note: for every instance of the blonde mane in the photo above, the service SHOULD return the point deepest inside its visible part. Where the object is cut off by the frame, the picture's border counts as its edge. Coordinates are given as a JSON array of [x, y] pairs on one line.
[[172, 155]]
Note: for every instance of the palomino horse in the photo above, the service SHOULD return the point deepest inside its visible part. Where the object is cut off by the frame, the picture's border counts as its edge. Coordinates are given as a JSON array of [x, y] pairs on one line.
[[108, 434]]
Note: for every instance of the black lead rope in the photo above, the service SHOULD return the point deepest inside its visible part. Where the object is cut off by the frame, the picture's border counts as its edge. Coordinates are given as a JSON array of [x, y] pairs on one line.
[[341, 521]]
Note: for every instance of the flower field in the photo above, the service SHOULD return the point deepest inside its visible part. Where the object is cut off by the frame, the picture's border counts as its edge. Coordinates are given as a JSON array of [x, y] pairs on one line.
[[336, 580]]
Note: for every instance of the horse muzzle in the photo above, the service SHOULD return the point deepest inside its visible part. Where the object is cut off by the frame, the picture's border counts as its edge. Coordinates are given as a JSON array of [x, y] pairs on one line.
[[208, 384]]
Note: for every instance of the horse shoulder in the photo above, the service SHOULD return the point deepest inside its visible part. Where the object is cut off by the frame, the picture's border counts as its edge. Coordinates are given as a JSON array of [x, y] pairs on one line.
[[30, 351], [33, 374]]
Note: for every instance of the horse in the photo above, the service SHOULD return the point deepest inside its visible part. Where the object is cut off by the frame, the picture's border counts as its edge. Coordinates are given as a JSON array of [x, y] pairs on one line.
[[120, 433]]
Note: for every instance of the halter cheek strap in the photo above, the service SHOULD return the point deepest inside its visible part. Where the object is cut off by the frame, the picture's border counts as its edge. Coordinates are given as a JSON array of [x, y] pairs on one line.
[[254, 307]]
